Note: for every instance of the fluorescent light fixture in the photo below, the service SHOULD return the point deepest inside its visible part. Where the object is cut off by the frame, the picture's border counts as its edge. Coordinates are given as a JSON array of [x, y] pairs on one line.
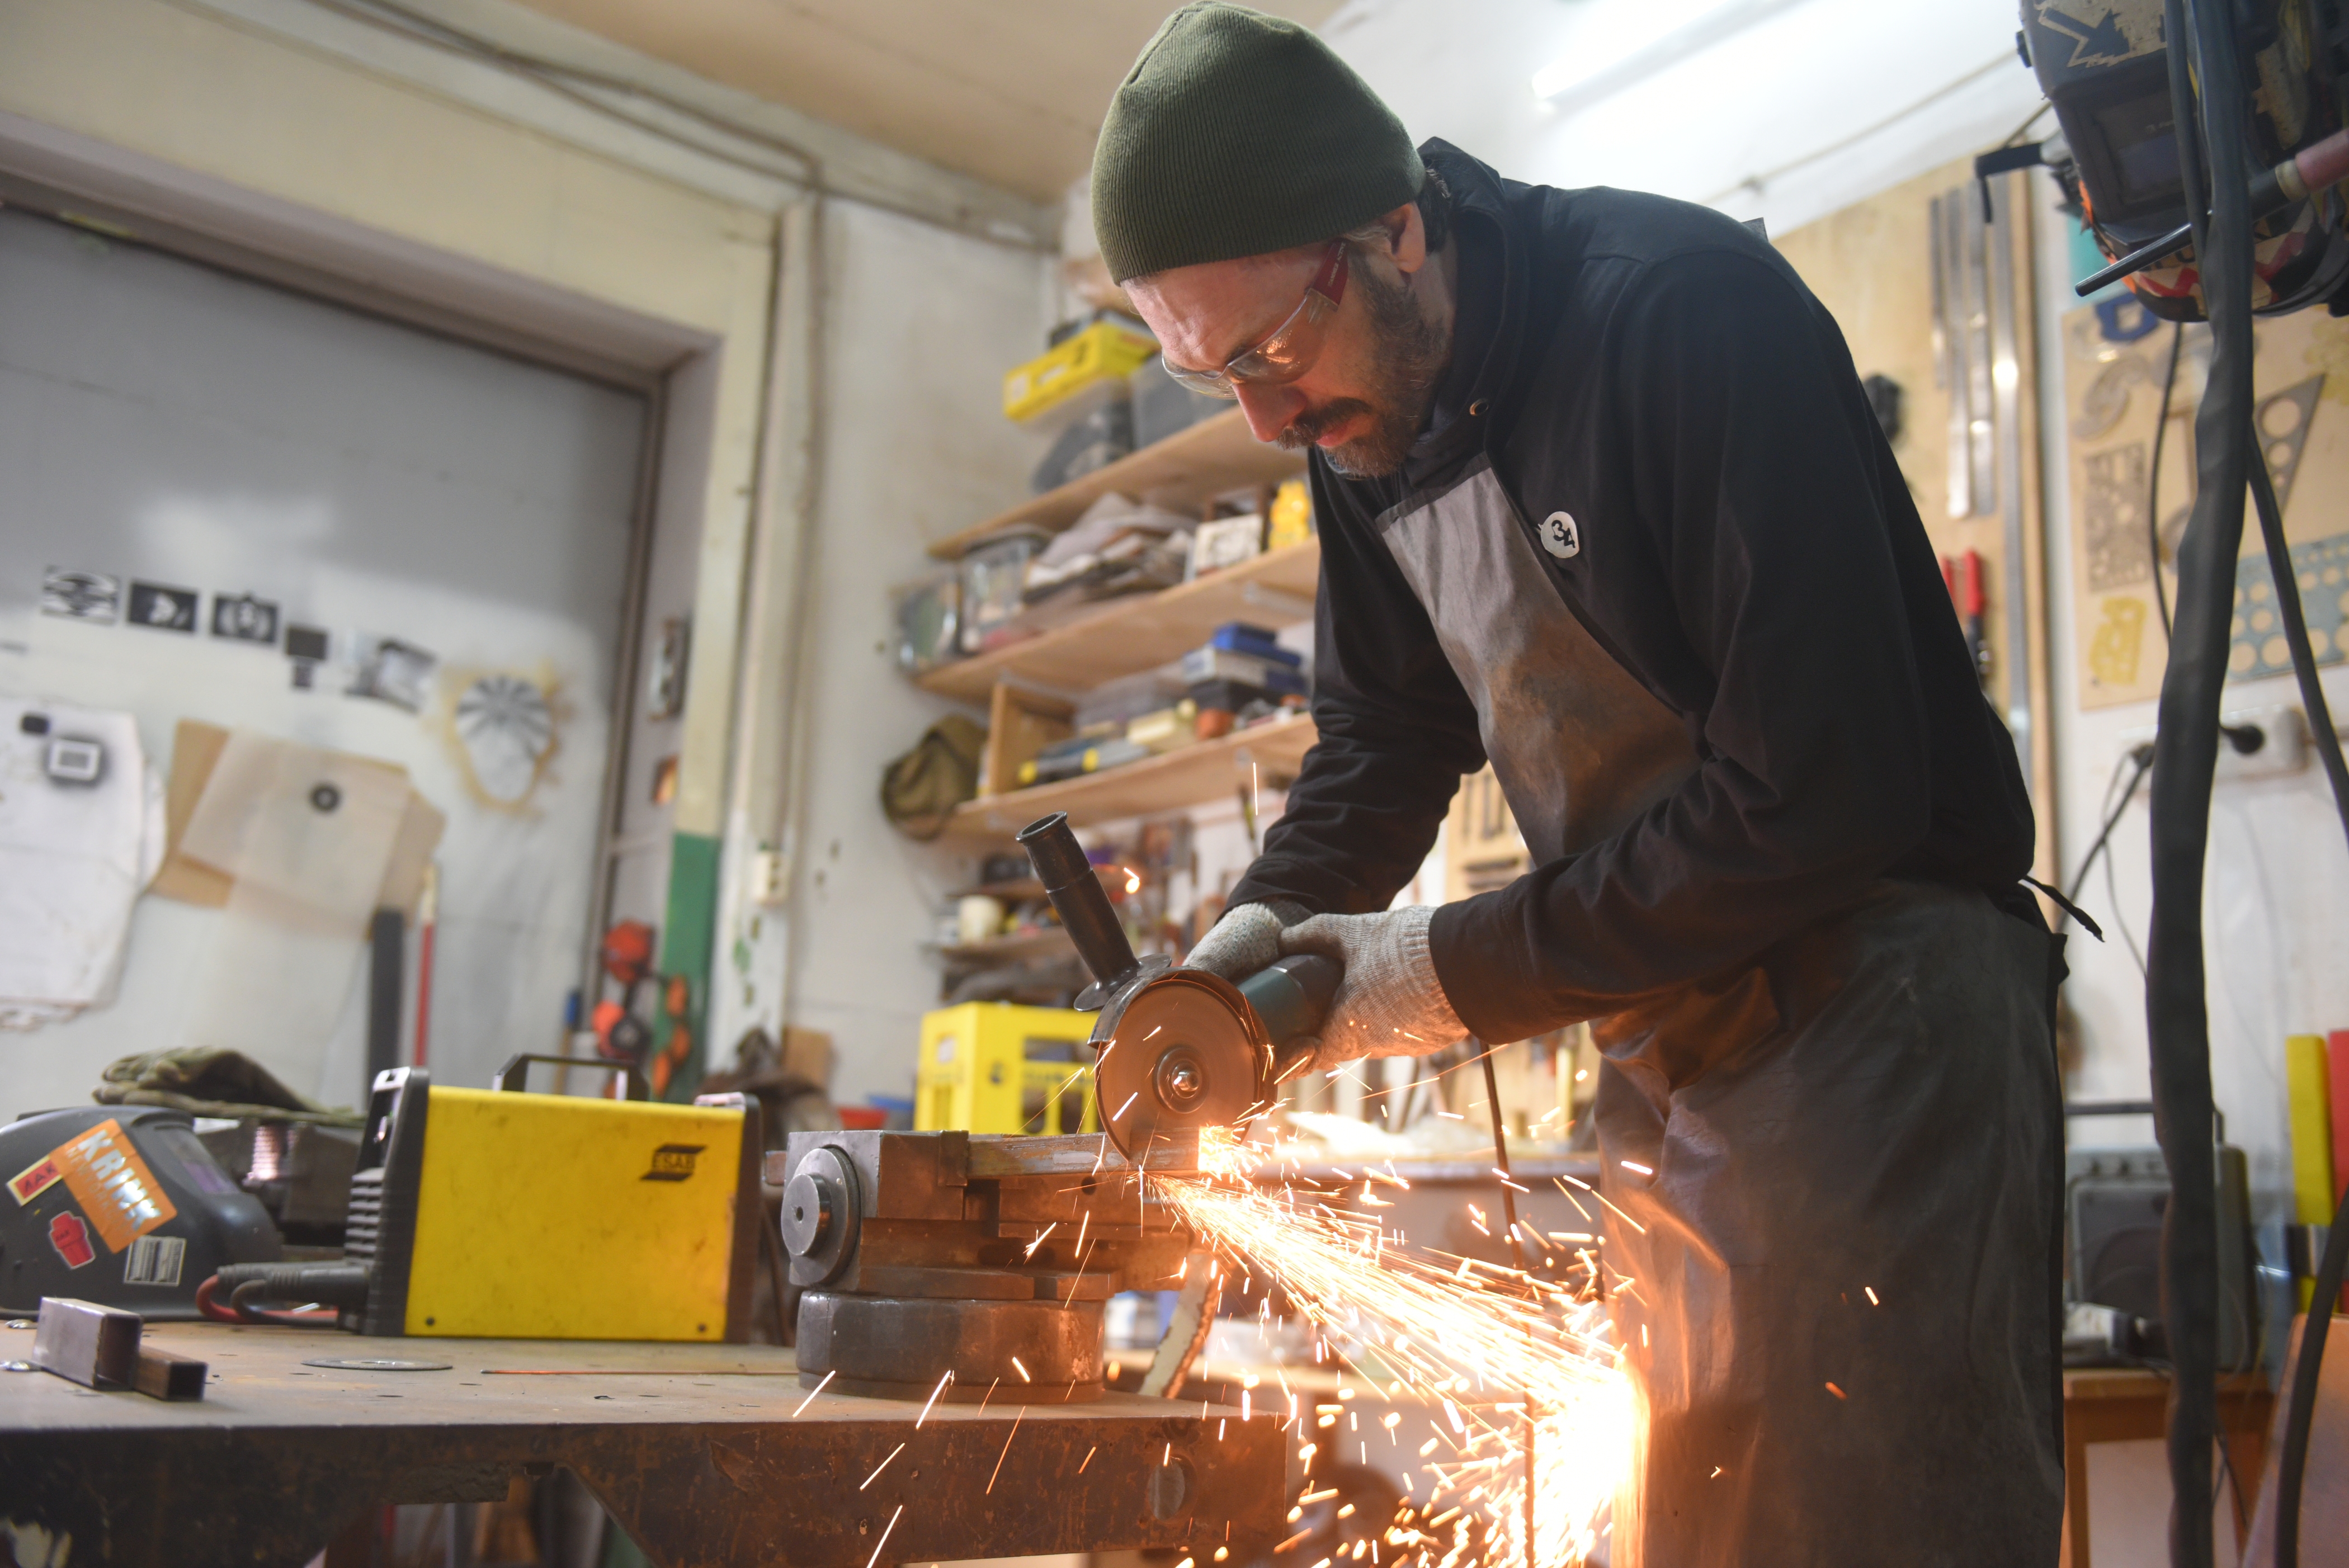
[[1576, 80]]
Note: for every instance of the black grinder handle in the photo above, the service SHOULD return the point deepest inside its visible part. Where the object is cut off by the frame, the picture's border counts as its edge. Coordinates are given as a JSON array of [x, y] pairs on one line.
[[1078, 898]]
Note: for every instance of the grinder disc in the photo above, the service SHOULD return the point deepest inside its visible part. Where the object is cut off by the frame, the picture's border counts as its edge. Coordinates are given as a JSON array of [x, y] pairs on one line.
[[1186, 1053]]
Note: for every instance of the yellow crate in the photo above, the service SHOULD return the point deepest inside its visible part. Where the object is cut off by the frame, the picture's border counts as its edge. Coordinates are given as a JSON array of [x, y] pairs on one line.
[[993, 1067], [1102, 352]]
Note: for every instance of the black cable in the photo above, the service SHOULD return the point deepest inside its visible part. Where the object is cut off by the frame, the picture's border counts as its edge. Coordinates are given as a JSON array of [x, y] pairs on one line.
[[2185, 760], [2143, 757], [2153, 479], [2177, 33]]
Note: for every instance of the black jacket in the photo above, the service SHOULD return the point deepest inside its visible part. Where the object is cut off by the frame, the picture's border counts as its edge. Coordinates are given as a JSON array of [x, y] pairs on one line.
[[1751, 556]]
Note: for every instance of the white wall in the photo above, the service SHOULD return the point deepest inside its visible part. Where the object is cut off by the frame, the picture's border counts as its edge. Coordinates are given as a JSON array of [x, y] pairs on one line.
[[919, 326], [1907, 85], [2277, 895]]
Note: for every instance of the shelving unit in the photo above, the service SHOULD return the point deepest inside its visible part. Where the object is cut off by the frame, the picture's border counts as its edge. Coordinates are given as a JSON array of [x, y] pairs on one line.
[[1202, 771], [1179, 473], [1050, 943], [1142, 631]]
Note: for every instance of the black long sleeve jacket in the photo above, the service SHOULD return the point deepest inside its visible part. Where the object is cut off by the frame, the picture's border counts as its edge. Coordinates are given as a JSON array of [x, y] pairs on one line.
[[1750, 554]]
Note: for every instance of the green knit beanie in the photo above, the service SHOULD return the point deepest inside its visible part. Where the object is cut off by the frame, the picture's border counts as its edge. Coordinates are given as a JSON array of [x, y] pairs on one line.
[[1235, 134]]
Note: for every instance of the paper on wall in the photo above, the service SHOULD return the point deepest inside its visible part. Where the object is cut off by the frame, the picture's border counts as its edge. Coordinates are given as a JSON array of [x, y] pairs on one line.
[[73, 858], [306, 838]]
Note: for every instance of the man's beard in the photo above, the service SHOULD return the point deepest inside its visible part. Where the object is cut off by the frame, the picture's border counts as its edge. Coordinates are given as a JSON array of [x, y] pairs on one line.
[[1407, 359]]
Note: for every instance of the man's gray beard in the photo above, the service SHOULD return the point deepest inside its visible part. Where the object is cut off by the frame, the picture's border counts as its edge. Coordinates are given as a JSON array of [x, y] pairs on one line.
[[1409, 353]]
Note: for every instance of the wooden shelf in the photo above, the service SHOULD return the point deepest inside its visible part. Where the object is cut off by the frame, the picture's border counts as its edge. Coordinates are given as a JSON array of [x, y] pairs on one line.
[[1203, 771], [1142, 631], [1051, 942], [1179, 473]]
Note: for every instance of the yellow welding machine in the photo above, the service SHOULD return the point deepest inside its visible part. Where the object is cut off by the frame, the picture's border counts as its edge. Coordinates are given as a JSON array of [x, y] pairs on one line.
[[993, 1067], [504, 1214]]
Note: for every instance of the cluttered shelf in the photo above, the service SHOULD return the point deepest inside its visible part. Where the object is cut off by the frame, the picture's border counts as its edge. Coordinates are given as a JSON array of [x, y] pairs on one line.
[[1139, 632], [1179, 472], [1050, 941], [1203, 770]]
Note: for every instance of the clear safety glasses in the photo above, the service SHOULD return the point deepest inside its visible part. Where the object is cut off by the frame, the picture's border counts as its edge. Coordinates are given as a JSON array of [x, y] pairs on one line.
[[1292, 348]]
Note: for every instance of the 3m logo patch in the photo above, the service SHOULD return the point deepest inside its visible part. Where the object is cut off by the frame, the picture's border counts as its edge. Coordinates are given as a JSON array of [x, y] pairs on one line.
[[112, 1184], [673, 1163], [1560, 535], [35, 1179], [71, 1239]]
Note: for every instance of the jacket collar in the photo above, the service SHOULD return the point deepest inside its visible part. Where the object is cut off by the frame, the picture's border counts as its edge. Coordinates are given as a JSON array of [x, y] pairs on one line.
[[1483, 217]]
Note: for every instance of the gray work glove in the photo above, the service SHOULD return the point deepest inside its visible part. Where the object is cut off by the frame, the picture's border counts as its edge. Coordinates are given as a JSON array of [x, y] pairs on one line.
[[1388, 1001], [1245, 941]]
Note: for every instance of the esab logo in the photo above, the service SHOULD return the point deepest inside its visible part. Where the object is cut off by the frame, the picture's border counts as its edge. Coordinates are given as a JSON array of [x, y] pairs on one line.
[[673, 1163]]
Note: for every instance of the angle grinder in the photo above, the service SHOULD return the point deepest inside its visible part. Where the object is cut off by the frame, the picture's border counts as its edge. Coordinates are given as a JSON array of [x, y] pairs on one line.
[[1176, 1051]]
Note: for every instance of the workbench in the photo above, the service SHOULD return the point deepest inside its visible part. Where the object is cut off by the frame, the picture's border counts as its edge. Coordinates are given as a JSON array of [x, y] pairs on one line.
[[706, 1454], [2123, 1404]]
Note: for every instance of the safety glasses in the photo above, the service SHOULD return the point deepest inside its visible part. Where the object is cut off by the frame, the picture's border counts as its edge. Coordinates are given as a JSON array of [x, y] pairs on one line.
[[1291, 348]]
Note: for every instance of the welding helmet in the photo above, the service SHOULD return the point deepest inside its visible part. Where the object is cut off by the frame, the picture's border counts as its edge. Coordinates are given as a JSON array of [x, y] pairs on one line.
[[2105, 69]]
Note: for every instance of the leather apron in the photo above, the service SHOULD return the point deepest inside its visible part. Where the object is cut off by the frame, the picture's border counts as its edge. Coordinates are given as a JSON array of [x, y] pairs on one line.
[[1834, 1274]]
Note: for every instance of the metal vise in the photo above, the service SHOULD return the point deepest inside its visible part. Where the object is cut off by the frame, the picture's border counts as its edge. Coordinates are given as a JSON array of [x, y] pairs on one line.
[[921, 1253]]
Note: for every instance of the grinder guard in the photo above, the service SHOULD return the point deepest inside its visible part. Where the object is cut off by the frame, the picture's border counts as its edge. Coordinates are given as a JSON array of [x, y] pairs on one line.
[[1176, 1049]]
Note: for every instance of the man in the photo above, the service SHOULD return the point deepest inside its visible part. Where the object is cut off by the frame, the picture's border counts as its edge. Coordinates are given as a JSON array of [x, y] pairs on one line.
[[1601, 501]]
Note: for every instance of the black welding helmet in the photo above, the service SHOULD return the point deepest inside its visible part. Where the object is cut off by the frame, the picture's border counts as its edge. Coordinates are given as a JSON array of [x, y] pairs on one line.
[[2102, 66]]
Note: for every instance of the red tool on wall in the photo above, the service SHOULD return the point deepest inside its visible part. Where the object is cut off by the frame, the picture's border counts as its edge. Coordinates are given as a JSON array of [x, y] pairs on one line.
[[1964, 577]]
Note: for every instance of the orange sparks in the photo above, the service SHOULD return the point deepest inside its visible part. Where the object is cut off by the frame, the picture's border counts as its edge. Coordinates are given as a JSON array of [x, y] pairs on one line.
[[1837, 1392], [1475, 1340], [1006, 1448]]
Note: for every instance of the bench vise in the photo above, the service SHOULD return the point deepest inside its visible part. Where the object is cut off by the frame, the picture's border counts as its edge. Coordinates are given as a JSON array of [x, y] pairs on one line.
[[918, 1254]]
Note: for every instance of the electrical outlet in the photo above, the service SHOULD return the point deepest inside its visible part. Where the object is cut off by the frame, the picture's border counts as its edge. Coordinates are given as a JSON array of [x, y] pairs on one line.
[[766, 877], [2281, 747]]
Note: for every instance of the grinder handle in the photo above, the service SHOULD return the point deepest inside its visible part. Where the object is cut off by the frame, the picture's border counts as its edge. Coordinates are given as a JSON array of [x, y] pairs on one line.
[[1078, 898], [1292, 997]]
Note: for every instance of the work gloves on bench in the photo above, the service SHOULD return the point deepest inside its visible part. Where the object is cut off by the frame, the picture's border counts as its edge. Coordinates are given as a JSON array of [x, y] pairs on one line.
[[1388, 1001]]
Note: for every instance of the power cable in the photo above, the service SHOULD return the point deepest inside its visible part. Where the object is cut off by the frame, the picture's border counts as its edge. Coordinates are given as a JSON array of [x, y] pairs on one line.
[[2185, 761], [2153, 479]]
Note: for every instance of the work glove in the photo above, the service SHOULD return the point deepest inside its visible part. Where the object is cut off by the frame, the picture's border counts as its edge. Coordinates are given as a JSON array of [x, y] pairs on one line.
[[1388, 1001], [1245, 941]]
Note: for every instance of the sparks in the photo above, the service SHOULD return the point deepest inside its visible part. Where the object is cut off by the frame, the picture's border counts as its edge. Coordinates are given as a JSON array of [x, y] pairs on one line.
[[1871, 1295], [1006, 1449], [869, 1561], [868, 1480], [1635, 1165], [944, 1379], [812, 1392], [1475, 1340], [1019, 1366]]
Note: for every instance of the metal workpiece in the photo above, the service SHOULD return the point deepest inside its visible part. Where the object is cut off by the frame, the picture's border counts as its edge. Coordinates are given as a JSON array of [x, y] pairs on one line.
[[942, 1264], [928, 1213], [707, 1455]]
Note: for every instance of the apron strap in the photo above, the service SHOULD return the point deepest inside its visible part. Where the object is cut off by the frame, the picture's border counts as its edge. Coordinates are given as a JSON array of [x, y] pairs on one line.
[[2068, 907]]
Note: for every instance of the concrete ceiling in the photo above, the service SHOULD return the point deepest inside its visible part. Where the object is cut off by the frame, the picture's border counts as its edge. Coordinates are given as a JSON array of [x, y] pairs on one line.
[[1010, 91]]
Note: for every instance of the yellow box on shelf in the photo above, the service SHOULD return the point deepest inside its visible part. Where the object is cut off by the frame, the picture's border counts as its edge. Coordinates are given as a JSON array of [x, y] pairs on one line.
[[995, 1067], [1102, 352]]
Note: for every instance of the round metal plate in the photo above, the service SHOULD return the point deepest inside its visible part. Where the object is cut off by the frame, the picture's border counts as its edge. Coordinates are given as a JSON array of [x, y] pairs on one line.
[[1187, 1053], [375, 1364]]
